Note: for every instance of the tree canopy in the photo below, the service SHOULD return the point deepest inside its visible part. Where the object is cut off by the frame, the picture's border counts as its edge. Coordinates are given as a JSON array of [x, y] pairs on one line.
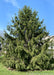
[[24, 43]]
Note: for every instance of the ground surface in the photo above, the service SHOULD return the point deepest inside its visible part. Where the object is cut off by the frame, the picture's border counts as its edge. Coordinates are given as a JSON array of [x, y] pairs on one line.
[[5, 71]]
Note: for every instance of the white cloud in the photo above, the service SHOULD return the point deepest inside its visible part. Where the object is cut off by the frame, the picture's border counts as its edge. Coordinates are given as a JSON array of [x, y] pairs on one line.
[[13, 2]]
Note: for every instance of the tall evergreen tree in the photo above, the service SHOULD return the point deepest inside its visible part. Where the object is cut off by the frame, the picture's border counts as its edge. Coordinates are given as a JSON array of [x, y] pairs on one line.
[[24, 44]]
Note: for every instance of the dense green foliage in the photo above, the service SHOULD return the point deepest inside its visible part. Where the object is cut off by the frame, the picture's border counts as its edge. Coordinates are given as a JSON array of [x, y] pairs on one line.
[[24, 45], [5, 71]]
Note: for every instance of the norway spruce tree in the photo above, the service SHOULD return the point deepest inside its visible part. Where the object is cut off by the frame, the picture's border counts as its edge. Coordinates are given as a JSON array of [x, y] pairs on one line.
[[24, 45]]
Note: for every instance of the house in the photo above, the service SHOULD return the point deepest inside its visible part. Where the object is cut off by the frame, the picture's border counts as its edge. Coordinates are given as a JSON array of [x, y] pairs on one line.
[[51, 45]]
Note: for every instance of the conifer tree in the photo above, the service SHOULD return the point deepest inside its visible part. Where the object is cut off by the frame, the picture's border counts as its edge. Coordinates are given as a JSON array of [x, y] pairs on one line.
[[24, 44]]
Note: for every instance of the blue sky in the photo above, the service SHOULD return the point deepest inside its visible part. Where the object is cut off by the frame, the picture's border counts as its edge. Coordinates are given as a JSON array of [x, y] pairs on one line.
[[45, 10]]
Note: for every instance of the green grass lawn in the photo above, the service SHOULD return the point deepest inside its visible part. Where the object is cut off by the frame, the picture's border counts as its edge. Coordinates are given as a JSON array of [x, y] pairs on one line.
[[5, 71]]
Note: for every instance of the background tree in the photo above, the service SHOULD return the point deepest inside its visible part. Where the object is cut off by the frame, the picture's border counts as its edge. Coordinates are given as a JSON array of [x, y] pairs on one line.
[[24, 44]]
